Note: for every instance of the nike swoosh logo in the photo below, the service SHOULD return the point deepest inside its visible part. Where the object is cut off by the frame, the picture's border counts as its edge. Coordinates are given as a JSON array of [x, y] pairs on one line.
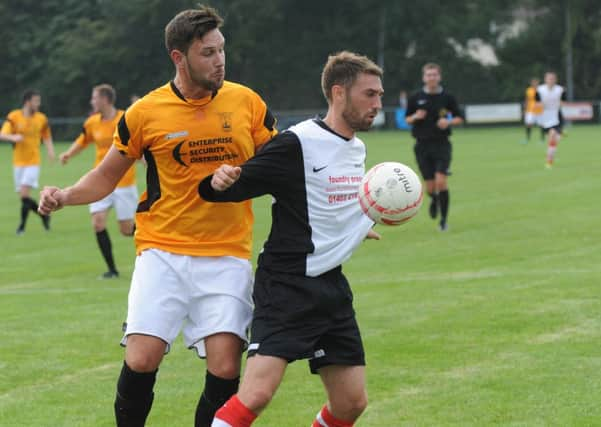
[[319, 169]]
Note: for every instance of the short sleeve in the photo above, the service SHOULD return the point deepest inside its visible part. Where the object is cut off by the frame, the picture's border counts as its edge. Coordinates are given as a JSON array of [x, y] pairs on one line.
[[7, 126], [411, 106], [84, 137], [46, 133], [264, 123], [128, 136]]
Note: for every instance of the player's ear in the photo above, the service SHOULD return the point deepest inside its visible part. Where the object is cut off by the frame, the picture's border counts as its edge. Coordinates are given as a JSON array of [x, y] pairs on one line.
[[338, 93], [177, 57]]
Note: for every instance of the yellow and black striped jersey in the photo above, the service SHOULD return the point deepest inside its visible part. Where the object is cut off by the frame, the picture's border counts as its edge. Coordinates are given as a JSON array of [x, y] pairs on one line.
[[33, 128], [100, 132], [184, 140]]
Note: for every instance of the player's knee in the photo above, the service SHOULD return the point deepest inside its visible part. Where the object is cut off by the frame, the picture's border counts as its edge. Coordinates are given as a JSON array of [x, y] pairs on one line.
[[226, 368], [143, 362], [352, 406]]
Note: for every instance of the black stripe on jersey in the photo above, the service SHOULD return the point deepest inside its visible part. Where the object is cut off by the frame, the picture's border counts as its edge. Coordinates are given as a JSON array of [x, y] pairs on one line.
[[176, 91], [153, 186], [269, 121], [324, 126], [123, 131], [83, 130]]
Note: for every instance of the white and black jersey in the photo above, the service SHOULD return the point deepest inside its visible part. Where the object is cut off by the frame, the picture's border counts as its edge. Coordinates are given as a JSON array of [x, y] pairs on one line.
[[313, 175], [550, 98]]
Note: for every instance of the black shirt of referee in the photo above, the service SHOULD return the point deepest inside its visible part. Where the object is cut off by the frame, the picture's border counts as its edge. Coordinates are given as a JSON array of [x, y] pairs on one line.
[[439, 104]]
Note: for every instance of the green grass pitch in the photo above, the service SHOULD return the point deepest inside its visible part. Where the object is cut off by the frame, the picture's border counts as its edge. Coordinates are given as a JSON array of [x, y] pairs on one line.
[[493, 323]]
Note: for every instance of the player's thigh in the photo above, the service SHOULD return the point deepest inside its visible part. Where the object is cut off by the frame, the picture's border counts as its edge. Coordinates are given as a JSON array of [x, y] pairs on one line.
[[262, 377], [159, 298], [345, 386], [220, 299]]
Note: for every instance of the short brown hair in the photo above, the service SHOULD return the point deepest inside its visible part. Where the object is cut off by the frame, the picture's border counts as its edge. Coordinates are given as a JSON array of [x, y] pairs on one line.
[[30, 93], [343, 68], [189, 25], [107, 91], [430, 66]]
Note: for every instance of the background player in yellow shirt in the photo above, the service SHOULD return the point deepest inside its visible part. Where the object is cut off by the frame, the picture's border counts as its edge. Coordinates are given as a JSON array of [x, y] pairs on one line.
[[26, 128], [532, 109], [99, 129], [192, 271]]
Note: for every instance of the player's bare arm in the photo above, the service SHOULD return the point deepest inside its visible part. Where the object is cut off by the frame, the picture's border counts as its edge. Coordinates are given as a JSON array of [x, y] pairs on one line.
[[49, 148], [224, 177], [73, 150], [11, 137], [93, 186]]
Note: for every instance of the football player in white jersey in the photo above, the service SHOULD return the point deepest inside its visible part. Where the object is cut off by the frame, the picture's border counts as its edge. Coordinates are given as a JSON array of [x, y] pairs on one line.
[[303, 302], [550, 95]]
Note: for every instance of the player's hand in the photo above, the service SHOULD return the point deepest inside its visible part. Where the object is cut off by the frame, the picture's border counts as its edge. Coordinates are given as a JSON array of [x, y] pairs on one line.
[[224, 176], [443, 123], [64, 158], [51, 199], [371, 234], [420, 114]]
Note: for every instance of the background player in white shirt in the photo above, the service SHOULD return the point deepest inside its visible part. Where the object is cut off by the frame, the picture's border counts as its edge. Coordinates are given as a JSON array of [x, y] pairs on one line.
[[550, 95]]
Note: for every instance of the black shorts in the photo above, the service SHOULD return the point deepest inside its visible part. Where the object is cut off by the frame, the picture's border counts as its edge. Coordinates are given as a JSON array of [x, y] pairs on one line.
[[432, 157], [558, 128], [299, 317]]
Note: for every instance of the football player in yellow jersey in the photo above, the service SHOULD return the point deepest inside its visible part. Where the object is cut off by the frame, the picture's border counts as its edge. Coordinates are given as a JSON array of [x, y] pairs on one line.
[[532, 109], [25, 128], [192, 271], [99, 129]]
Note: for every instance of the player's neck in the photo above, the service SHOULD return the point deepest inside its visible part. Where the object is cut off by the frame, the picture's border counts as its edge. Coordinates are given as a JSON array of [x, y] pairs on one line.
[[27, 111], [188, 89], [337, 123], [108, 113]]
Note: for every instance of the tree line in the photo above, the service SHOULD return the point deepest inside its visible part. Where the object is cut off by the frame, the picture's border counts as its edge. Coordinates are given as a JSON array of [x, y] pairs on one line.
[[278, 47]]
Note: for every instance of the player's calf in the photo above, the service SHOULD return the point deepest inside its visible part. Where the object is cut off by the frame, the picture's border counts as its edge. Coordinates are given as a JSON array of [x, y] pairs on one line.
[[216, 392]]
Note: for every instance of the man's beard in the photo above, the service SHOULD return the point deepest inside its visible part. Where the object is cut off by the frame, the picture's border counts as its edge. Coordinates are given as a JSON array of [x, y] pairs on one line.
[[206, 84], [354, 120]]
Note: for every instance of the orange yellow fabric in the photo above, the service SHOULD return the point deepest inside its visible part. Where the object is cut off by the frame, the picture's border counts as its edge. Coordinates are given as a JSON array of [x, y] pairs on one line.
[[531, 105], [33, 128], [184, 140], [100, 132]]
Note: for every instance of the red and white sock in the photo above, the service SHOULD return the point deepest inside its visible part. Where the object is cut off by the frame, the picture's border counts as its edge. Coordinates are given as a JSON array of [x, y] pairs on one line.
[[233, 414], [325, 418]]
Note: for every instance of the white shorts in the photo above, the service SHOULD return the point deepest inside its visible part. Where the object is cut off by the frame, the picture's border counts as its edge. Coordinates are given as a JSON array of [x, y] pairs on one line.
[[26, 175], [531, 119], [201, 295], [123, 199]]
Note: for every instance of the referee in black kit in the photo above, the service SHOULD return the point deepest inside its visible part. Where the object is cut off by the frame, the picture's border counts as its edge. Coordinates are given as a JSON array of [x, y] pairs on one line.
[[432, 111]]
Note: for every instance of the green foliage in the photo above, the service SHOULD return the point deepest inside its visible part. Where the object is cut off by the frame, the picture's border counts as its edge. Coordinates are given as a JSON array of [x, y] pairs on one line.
[[278, 47]]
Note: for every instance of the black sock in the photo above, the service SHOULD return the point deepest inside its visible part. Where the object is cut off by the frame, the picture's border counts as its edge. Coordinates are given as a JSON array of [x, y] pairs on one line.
[[443, 199], [134, 397], [104, 242], [528, 132], [433, 210], [217, 391], [33, 205], [24, 212]]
